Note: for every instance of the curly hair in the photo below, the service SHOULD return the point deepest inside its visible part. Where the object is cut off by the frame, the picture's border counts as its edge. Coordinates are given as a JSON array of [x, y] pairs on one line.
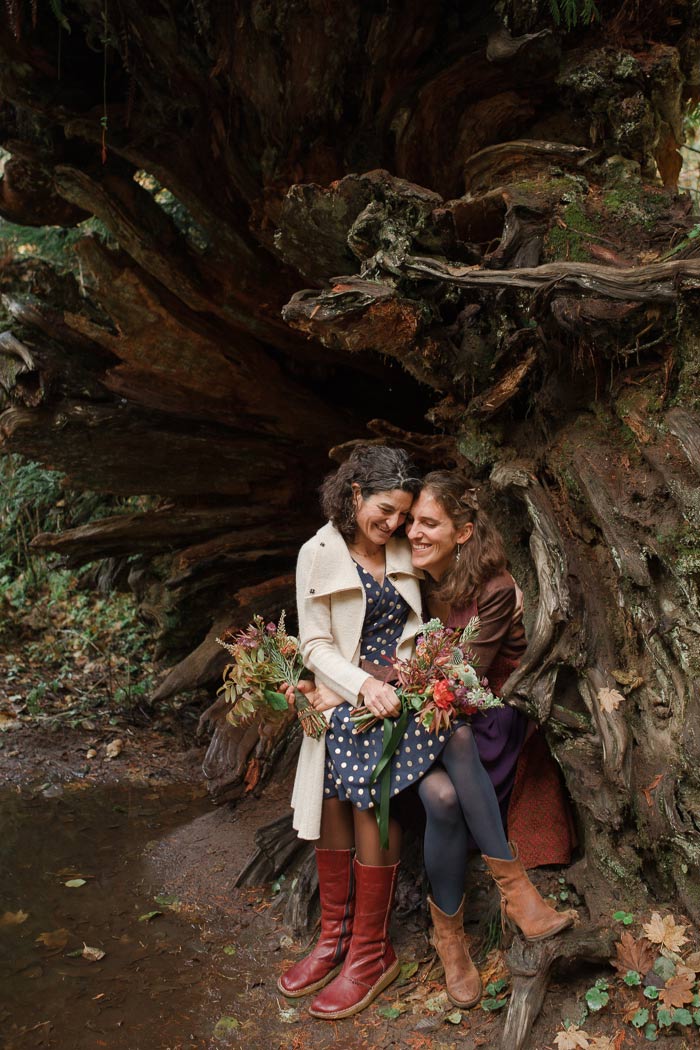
[[483, 555], [375, 468]]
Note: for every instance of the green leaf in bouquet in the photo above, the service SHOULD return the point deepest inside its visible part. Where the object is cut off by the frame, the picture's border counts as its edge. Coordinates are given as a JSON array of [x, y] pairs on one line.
[[277, 701]]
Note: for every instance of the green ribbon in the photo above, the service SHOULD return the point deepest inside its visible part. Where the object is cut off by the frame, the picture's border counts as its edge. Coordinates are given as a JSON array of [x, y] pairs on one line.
[[382, 771]]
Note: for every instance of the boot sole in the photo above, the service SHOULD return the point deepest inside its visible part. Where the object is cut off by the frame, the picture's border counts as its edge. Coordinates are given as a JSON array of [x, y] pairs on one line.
[[544, 936], [384, 982], [309, 989], [463, 1005]]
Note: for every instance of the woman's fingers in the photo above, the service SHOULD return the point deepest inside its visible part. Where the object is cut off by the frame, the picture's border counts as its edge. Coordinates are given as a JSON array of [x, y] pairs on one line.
[[306, 686], [381, 699]]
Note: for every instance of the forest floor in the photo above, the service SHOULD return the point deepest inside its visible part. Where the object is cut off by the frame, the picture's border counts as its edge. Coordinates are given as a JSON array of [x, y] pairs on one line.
[[121, 926]]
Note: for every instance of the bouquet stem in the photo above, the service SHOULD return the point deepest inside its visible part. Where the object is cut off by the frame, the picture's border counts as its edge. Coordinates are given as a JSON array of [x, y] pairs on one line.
[[393, 732], [312, 722]]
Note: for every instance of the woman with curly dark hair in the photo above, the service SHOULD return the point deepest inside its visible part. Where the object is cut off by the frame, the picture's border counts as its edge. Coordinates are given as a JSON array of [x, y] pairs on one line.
[[359, 608]]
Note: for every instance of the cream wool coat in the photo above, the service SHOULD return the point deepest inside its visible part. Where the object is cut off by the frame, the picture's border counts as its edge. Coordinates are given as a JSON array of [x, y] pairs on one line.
[[331, 608]]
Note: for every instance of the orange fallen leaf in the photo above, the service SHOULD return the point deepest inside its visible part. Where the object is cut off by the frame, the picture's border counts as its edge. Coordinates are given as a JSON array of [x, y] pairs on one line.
[[633, 955], [677, 991], [54, 939], [14, 918]]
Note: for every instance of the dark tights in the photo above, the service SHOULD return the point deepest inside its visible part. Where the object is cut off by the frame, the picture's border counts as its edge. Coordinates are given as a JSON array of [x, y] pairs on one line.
[[458, 794]]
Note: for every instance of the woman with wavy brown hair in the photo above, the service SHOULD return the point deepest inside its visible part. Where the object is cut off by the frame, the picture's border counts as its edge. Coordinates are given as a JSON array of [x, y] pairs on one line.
[[462, 555]]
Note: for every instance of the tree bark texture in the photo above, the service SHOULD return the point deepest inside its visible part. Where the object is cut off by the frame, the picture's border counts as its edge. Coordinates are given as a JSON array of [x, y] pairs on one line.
[[382, 211]]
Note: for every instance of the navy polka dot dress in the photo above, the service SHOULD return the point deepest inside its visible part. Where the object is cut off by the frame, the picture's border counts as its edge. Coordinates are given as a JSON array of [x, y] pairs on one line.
[[351, 757]]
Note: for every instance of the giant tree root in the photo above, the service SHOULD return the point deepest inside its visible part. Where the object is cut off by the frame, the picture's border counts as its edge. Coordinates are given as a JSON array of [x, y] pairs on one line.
[[280, 852], [530, 966]]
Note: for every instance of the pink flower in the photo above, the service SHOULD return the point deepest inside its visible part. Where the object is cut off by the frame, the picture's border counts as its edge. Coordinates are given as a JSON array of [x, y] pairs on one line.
[[443, 695]]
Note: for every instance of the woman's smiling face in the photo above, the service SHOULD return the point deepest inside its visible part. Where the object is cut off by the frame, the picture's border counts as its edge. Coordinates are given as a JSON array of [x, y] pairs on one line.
[[378, 516], [433, 535]]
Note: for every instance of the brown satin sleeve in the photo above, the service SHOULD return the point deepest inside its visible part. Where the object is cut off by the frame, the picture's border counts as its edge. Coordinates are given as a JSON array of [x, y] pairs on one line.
[[496, 606]]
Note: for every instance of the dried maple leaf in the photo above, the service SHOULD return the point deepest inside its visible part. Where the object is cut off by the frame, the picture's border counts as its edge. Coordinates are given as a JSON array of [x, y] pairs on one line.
[[609, 699], [665, 932], [602, 1042], [92, 954], [13, 918], [633, 955], [631, 1010], [54, 938], [677, 991], [693, 962], [572, 1038], [114, 748], [631, 679]]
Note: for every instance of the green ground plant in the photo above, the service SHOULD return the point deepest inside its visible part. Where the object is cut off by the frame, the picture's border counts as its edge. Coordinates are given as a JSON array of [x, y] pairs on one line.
[[68, 652]]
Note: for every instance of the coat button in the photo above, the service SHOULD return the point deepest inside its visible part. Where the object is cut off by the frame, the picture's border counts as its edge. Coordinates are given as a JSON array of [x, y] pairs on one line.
[[311, 590], [392, 576]]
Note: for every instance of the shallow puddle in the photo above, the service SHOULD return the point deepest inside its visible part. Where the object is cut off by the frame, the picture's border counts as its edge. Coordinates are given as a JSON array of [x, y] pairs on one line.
[[80, 875], [152, 986]]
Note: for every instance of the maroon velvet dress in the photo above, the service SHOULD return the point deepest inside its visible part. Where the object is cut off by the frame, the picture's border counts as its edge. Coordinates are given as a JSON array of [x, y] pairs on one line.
[[528, 783]]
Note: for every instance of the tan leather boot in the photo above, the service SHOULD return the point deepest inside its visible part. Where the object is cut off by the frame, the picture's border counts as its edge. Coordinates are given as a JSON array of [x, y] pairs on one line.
[[461, 975], [521, 904]]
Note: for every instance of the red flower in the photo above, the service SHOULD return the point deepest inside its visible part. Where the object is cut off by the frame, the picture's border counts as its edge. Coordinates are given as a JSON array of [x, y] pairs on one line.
[[443, 695], [469, 709]]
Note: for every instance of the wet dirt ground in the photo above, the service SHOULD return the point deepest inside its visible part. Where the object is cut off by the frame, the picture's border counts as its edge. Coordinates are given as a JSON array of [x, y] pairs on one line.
[[128, 857], [142, 868]]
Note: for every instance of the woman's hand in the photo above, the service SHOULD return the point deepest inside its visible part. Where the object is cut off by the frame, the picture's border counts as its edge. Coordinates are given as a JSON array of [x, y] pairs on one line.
[[380, 698], [320, 696]]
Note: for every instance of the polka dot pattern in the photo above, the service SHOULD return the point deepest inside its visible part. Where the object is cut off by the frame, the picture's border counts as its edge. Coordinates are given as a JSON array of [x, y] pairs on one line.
[[384, 621], [351, 757]]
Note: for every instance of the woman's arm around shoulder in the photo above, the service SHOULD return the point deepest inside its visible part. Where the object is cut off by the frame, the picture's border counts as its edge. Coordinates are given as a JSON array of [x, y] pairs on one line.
[[496, 605]]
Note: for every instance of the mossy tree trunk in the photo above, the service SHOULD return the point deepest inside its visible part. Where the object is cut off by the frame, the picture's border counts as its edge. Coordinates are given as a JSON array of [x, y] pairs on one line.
[[314, 216]]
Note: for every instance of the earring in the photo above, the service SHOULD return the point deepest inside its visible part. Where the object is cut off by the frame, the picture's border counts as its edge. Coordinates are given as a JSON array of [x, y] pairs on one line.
[[459, 552]]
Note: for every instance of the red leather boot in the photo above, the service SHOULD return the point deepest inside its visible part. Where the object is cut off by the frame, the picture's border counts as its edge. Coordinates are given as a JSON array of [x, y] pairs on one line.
[[371, 964], [336, 888]]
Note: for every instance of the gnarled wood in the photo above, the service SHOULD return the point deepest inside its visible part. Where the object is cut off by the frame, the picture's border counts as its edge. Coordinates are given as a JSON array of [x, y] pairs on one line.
[[530, 966], [482, 208]]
